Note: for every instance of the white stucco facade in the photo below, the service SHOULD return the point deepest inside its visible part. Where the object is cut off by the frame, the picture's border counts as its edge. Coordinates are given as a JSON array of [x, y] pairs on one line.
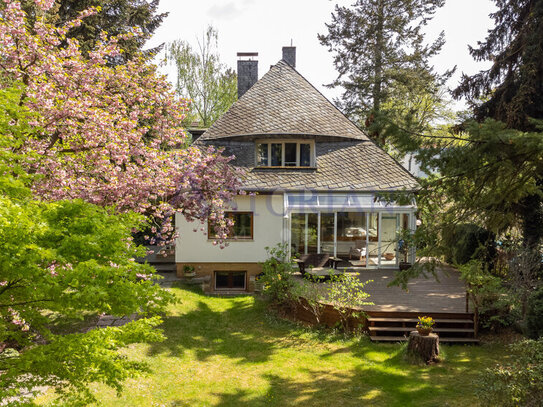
[[268, 230]]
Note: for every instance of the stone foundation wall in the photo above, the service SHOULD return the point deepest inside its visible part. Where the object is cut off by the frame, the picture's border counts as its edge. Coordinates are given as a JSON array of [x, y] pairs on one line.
[[205, 271]]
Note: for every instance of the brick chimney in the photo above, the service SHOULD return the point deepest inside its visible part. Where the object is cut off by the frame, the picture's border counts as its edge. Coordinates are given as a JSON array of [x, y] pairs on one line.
[[289, 56], [247, 71]]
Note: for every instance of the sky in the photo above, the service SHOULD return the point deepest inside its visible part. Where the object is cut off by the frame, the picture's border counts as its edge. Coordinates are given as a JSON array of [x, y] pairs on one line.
[[265, 26]]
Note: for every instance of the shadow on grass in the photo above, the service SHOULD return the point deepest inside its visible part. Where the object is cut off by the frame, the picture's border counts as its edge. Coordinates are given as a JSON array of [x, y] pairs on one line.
[[241, 330], [358, 387], [238, 332]]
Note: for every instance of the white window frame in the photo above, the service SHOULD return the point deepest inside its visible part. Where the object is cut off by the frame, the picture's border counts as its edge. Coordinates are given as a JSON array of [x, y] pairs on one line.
[[268, 142]]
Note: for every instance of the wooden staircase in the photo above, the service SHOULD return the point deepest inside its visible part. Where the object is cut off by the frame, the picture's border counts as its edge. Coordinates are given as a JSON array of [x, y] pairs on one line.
[[395, 326]]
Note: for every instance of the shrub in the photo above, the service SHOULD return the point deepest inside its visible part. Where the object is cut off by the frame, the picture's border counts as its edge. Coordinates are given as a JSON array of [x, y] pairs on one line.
[[534, 316], [277, 270], [346, 295], [310, 297], [495, 304], [518, 383]]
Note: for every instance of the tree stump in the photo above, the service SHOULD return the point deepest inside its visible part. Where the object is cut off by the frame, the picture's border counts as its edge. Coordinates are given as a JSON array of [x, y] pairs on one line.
[[425, 348]]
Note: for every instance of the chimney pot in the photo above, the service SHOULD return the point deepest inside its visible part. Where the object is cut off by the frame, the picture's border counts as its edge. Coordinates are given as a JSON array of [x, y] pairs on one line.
[[289, 56]]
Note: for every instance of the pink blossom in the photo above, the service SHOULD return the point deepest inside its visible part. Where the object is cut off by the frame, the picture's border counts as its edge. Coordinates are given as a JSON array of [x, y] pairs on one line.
[[111, 136]]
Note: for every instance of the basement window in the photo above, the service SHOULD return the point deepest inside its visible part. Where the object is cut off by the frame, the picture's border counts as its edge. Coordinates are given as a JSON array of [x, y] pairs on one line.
[[285, 154], [230, 280]]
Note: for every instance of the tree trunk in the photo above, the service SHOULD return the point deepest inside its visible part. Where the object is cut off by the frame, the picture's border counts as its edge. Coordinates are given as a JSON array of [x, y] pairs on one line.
[[425, 348]]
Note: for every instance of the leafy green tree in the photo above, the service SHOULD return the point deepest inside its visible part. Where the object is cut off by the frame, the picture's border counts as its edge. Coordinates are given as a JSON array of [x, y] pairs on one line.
[[61, 262], [383, 65], [202, 78]]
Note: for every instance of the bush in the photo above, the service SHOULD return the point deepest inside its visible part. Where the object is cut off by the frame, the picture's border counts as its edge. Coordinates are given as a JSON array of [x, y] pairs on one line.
[[534, 316], [467, 242], [346, 296], [496, 306], [277, 270], [519, 383]]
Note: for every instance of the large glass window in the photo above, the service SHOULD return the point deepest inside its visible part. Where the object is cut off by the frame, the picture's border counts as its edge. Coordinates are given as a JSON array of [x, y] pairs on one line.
[[351, 236], [327, 233], [389, 229], [304, 233], [361, 238], [242, 228], [284, 154]]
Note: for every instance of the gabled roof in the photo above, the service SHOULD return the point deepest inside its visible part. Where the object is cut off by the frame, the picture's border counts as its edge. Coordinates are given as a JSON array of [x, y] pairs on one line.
[[283, 102]]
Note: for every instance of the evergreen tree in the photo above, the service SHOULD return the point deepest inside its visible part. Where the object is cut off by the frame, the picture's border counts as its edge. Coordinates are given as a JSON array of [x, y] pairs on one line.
[[511, 91], [382, 59], [115, 17]]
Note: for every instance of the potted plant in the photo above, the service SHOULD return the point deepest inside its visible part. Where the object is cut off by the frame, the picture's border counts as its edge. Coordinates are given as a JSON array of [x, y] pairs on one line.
[[188, 271], [425, 326]]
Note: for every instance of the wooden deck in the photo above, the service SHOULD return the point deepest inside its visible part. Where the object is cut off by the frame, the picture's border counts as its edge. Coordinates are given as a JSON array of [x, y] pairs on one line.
[[448, 295], [425, 295]]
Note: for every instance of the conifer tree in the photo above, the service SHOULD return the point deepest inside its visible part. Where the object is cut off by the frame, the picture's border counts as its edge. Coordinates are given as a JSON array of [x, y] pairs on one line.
[[115, 17], [511, 91], [382, 58]]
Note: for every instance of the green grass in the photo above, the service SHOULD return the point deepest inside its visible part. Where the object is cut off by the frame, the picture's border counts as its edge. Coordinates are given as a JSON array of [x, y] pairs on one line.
[[231, 352]]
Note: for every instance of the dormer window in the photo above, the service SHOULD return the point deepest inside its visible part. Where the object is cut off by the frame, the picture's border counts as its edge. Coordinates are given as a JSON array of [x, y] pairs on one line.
[[285, 153]]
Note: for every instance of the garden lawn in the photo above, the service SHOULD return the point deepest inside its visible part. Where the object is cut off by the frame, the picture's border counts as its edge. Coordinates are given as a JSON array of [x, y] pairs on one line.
[[231, 352]]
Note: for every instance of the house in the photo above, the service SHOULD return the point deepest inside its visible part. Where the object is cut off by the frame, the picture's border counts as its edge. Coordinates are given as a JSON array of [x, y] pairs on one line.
[[316, 182]]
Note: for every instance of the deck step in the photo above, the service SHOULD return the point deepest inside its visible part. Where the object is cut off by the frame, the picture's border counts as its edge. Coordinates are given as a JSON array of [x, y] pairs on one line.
[[405, 338], [409, 329], [415, 320]]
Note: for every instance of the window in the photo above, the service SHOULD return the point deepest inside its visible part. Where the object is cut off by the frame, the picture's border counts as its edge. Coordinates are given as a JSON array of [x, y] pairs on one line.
[[284, 154], [242, 229], [225, 280]]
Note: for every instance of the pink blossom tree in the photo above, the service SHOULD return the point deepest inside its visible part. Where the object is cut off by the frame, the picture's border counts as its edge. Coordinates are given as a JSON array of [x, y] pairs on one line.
[[110, 135]]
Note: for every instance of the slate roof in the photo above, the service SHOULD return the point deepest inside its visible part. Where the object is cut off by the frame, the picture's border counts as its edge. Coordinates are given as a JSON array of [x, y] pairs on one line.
[[283, 102], [341, 166]]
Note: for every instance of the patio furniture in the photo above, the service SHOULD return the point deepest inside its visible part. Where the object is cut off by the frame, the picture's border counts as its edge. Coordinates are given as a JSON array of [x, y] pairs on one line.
[[359, 250], [314, 260], [334, 262]]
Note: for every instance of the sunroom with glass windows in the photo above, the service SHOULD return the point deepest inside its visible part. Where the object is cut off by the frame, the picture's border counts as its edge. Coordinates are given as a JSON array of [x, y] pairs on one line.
[[359, 228]]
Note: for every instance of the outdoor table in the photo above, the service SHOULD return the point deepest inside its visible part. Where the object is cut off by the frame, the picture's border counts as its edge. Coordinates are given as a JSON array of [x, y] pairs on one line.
[[334, 261]]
